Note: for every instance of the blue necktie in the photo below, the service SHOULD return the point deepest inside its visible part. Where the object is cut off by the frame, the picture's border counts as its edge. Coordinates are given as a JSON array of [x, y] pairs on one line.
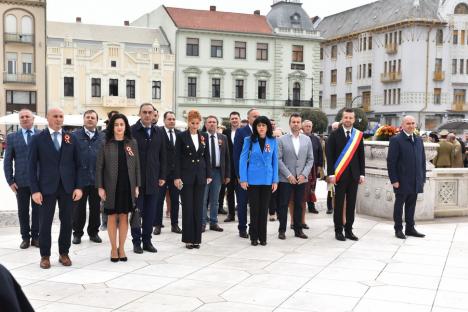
[[56, 142], [148, 132], [28, 136]]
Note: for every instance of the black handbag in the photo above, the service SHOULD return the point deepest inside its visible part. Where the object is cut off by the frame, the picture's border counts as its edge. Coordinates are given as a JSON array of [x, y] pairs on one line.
[[135, 218]]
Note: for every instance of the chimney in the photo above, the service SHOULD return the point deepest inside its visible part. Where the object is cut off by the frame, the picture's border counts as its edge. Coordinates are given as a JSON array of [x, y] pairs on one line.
[[126, 23], [212, 8], [257, 12], [78, 19]]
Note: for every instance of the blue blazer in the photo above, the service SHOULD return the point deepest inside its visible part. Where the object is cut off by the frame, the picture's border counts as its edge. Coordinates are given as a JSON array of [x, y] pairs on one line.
[[263, 166], [53, 166], [241, 134], [406, 164], [17, 151]]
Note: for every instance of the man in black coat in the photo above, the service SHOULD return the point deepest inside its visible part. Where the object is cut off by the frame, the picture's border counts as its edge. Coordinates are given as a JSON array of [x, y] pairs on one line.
[[152, 152], [406, 165], [353, 175]]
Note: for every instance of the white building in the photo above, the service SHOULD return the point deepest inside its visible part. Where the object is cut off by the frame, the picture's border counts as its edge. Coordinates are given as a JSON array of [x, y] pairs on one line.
[[232, 62], [397, 57]]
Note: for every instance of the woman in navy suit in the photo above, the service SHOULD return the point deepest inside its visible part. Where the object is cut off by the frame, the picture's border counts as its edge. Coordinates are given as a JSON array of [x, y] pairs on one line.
[[192, 174], [258, 170]]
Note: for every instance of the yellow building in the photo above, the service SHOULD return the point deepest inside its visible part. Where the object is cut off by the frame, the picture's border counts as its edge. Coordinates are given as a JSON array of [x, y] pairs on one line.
[[108, 68], [23, 52]]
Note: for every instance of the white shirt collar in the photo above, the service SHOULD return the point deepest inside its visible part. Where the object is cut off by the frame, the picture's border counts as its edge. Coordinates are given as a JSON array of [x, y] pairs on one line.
[[215, 135], [251, 129], [167, 129], [24, 130], [407, 134], [52, 131], [350, 129]]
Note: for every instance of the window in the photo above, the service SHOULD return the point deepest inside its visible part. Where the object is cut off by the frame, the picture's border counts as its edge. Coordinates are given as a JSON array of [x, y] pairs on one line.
[[333, 101], [333, 76], [349, 74], [10, 24], [461, 8], [130, 89], [321, 77], [262, 89], [349, 99], [68, 61], [156, 90], [364, 43], [462, 37], [192, 47], [438, 65], [217, 48], [16, 100], [192, 87], [370, 43], [455, 37], [68, 86], [216, 88], [12, 59], [454, 66], [364, 71], [462, 66], [369, 70], [113, 63], [399, 66], [296, 93], [385, 97], [385, 67], [398, 96], [96, 87], [399, 37], [239, 89], [297, 53], [459, 96], [155, 66], [334, 52], [27, 63], [437, 95], [26, 25], [262, 51], [321, 53], [113, 87], [349, 48], [440, 37], [240, 48]]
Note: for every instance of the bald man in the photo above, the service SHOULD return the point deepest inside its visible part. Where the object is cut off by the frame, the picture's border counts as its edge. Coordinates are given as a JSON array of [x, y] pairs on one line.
[[53, 177]]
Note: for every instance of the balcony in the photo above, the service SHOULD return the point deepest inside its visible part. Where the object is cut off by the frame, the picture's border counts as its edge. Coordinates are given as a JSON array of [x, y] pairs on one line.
[[439, 75], [299, 103], [391, 48], [19, 78], [19, 38], [460, 107], [390, 77]]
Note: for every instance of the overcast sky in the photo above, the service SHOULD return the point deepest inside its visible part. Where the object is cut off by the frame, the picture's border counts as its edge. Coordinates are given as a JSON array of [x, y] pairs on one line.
[[114, 12]]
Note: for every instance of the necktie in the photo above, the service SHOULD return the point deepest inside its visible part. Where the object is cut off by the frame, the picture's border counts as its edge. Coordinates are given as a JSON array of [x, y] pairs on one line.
[[411, 138], [171, 137], [56, 142], [28, 136], [347, 134], [148, 132], [213, 152]]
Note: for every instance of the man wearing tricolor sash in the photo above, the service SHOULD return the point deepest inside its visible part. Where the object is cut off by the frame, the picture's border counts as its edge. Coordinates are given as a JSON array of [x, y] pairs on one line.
[[346, 170]]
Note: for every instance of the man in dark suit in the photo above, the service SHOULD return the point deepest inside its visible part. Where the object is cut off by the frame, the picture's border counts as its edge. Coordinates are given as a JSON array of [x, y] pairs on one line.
[[218, 151], [353, 175], [174, 193], [16, 156], [152, 152], [241, 194], [90, 141], [54, 176], [229, 189], [406, 165]]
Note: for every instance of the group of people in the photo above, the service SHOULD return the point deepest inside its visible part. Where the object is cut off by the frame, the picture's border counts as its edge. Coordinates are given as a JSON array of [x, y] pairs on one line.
[[452, 151], [126, 167]]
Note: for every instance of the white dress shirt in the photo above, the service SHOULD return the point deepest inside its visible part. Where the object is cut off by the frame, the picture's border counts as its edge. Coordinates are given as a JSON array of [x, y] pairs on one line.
[[296, 143], [195, 140], [218, 152], [59, 136], [25, 135], [233, 135], [169, 135]]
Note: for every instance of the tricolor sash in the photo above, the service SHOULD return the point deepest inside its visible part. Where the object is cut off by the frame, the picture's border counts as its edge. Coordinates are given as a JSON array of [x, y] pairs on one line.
[[347, 153]]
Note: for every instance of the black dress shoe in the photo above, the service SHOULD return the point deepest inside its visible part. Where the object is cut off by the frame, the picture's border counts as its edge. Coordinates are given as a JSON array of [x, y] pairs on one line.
[[350, 235], [229, 219], [339, 236], [176, 229], [254, 243], [282, 235], [196, 246], [305, 226], [189, 246], [95, 238], [329, 211], [216, 227], [203, 228], [76, 240], [222, 211], [414, 233], [399, 234], [25, 244], [313, 210], [243, 234], [149, 247], [263, 243], [300, 235], [137, 249], [35, 243], [157, 230]]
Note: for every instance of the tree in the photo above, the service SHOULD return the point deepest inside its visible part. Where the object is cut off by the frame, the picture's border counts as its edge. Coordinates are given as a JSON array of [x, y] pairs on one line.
[[318, 117], [361, 119]]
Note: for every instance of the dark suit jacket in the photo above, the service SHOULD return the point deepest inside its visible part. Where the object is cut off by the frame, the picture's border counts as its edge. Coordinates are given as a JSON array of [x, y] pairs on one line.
[[406, 164], [224, 157], [227, 133], [318, 151], [17, 151], [241, 134], [192, 166], [170, 153], [53, 166], [152, 153], [89, 149], [335, 144]]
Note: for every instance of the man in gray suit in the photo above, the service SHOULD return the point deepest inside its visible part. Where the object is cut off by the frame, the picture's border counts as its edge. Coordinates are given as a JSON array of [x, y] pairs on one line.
[[295, 160]]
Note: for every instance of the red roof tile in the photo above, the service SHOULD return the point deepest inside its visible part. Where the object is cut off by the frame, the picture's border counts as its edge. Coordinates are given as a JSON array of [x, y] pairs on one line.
[[219, 21]]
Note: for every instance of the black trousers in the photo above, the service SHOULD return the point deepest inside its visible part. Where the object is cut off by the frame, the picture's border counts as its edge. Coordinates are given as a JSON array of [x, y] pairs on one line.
[[91, 196], [23, 198], [229, 190], [46, 217], [274, 203], [192, 210], [346, 188], [174, 194], [147, 205], [12, 298], [409, 201], [259, 201], [285, 190]]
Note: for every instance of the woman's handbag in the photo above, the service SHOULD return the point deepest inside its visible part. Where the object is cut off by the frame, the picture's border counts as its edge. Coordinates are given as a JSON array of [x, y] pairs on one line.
[[135, 218]]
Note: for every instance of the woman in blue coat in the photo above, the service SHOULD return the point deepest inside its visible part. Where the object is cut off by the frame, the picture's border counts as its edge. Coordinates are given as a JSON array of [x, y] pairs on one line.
[[258, 170]]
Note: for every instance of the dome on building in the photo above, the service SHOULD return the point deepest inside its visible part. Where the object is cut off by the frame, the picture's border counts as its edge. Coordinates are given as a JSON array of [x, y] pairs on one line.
[[289, 14]]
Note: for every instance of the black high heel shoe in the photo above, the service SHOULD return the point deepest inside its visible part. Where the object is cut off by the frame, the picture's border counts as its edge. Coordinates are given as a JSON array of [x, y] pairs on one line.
[[114, 259], [123, 259]]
